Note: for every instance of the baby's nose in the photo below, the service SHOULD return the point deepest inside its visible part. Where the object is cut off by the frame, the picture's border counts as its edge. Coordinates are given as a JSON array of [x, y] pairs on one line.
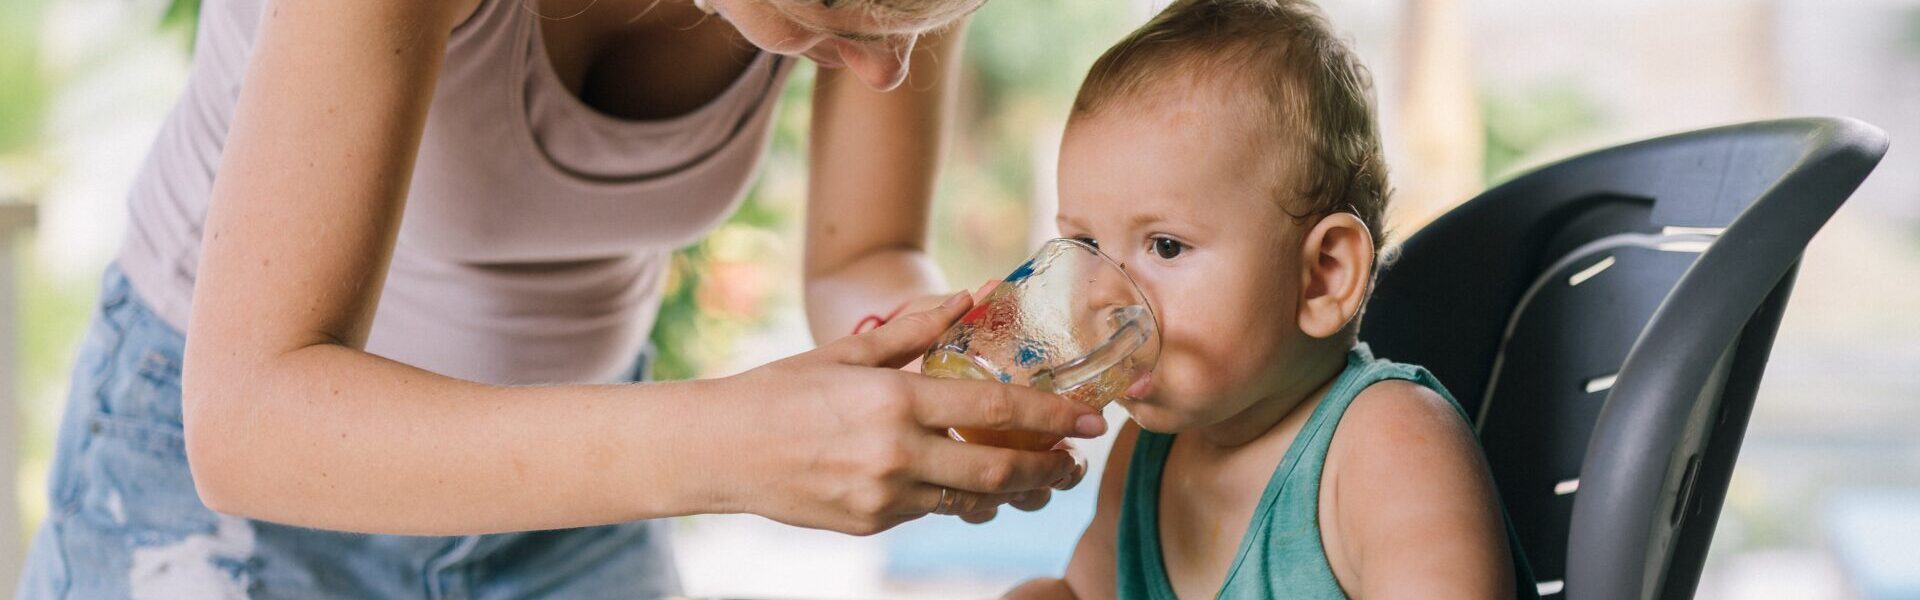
[[1105, 289]]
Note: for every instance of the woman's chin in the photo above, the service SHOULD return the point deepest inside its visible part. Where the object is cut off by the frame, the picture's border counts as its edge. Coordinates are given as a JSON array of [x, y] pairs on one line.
[[826, 59]]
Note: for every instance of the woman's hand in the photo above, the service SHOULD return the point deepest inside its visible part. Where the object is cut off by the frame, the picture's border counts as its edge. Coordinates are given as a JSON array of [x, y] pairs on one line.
[[844, 440], [1028, 501], [931, 301], [1037, 499]]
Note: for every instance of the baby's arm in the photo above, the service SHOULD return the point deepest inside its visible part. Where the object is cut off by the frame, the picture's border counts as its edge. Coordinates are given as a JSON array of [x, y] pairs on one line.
[[1411, 503], [1090, 574]]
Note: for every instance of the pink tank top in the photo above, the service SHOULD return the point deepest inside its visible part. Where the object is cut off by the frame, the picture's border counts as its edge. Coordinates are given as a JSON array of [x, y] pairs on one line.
[[537, 233]]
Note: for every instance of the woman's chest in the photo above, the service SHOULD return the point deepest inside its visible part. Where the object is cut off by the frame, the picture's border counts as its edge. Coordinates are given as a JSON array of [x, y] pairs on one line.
[[514, 168], [666, 61]]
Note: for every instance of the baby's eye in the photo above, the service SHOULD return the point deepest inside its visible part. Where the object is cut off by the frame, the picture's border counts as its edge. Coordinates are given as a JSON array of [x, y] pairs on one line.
[[1088, 241], [1167, 248]]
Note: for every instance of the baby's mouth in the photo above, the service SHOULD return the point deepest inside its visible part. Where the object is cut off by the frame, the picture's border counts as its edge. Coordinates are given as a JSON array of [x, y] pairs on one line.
[[1141, 387]]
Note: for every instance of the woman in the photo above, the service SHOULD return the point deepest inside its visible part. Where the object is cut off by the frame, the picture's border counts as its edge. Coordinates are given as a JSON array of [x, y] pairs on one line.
[[546, 158]]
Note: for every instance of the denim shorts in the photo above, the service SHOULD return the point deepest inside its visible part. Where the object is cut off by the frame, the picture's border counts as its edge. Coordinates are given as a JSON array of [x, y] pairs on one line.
[[124, 520]]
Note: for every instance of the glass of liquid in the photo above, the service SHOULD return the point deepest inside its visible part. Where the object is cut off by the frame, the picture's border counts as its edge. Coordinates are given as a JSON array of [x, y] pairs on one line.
[[1068, 321]]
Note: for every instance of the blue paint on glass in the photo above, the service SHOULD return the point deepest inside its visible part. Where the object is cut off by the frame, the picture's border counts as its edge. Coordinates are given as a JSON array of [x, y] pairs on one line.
[[1029, 355], [1022, 273]]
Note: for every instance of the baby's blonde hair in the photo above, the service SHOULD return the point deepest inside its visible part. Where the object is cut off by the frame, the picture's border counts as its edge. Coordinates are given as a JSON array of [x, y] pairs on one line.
[[1312, 97]]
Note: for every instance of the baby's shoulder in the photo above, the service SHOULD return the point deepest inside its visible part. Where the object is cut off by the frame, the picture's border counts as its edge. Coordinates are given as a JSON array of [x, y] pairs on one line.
[[1400, 443], [1396, 425], [1390, 409], [1404, 468]]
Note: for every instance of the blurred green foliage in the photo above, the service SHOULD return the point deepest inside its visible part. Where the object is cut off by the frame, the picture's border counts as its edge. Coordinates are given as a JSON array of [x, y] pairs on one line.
[[1521, 123], [181, 15], [23, 87], [50, 315]]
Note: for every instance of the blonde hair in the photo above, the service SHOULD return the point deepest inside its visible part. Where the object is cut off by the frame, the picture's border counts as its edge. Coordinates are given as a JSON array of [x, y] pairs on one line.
[[1309, 88], [931, 11]]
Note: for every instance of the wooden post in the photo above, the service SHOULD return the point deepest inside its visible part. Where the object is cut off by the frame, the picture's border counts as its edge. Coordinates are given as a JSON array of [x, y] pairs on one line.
[[1439, 116], [15, 218]]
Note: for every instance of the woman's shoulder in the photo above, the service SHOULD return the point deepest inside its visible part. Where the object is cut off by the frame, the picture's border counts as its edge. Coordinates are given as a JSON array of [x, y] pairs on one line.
[[464, 11]]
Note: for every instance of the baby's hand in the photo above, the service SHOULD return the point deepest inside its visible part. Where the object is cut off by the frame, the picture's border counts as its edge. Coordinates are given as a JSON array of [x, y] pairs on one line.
[[1037, 499]]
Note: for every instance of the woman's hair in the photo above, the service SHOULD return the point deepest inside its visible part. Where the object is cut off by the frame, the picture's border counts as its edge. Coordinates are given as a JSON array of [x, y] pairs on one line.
[[1308, 92], [931, 11]]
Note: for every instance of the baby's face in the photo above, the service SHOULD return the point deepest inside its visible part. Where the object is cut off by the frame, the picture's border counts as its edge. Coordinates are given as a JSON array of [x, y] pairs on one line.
[[1172, 188]]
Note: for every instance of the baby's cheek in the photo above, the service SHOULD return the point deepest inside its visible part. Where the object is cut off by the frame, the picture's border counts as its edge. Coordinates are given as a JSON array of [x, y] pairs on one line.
[[1190, 390], [1202, 363]]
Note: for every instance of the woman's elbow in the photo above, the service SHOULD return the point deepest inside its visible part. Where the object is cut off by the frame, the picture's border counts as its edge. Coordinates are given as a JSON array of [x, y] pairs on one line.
[[215, 456]]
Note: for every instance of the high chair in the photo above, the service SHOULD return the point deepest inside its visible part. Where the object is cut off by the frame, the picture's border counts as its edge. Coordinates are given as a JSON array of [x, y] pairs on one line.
[[1606, 321]]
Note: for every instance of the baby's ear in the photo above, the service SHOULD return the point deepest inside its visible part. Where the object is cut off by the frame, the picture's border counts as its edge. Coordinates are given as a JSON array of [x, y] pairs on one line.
[[1336, 262]]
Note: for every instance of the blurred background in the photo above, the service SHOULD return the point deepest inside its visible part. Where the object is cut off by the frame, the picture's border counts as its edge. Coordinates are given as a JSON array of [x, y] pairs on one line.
[[1825, 502]]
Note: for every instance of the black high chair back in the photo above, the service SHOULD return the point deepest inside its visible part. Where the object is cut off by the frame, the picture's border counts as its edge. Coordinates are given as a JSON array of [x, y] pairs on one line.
[[1607, 319]]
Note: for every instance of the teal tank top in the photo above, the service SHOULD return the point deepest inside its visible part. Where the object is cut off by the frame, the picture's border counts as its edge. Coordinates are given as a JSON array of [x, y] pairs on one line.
[[1280, 555]]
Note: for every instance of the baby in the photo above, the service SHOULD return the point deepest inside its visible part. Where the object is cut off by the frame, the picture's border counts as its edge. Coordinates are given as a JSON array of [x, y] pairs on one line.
[[1227, 154]]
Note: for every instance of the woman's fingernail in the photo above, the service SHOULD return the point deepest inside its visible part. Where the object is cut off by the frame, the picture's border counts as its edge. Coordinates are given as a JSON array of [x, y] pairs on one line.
[[1059, 483], [954, 300], [1090, 425]]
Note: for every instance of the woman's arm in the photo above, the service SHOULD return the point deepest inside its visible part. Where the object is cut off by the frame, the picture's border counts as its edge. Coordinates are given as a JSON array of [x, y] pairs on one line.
[[1091, 573], [1410, 507], [288, 419], [873, 160]]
